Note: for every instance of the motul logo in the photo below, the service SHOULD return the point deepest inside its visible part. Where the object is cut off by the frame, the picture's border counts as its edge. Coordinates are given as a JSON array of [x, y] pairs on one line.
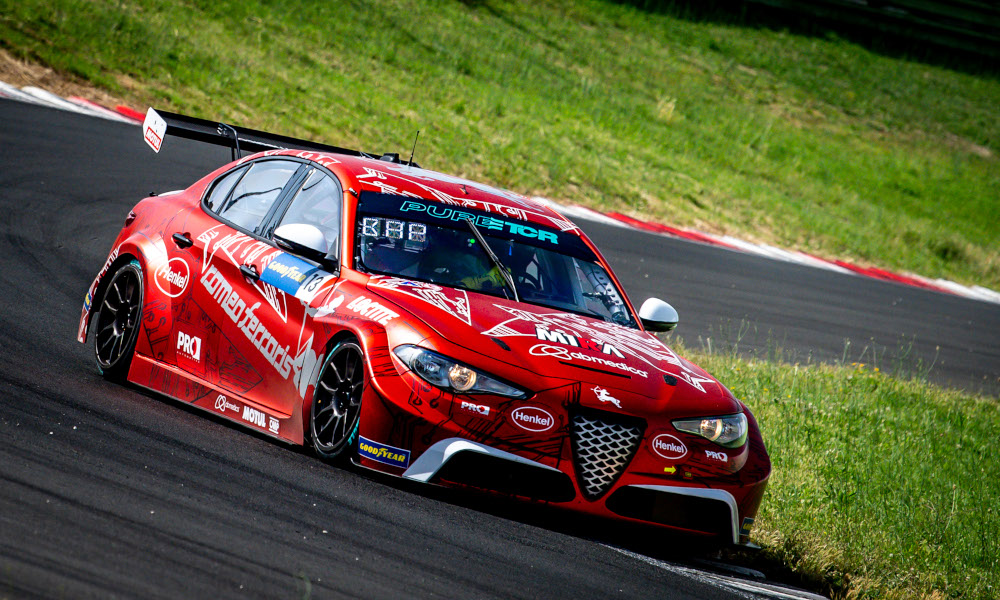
[[533, 419], [172, 277], [253, 416], [669, 447]]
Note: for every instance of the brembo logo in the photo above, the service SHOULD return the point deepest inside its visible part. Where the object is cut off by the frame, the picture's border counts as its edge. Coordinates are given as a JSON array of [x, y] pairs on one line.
[[172, 277], [533, 419], [669, 447]]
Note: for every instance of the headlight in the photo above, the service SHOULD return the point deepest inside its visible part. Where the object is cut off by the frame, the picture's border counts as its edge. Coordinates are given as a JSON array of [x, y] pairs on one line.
[[729, 431], [451, 375]]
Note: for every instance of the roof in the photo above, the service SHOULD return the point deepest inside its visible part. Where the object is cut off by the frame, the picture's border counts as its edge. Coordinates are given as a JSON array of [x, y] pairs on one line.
[[395, 178]]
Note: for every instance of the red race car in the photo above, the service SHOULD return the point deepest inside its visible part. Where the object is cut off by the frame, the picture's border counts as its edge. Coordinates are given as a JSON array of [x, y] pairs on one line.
[[425, 326]]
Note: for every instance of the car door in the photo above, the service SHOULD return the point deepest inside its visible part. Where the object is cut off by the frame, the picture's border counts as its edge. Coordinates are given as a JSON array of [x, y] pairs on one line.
[[237, 332], [189, 339], [293, 283]]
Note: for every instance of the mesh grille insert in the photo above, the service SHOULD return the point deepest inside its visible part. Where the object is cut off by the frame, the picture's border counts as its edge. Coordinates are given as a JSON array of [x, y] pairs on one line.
[[603, 449]]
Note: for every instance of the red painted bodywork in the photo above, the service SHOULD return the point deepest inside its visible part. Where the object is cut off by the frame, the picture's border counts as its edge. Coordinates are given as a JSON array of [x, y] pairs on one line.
[[260, 371]]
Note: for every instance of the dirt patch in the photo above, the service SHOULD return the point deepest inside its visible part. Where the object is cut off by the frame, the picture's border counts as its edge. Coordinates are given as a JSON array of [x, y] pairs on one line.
[[21, 73]]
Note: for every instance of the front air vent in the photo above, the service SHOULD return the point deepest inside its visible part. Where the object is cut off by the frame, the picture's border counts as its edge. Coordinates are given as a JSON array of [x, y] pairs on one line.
[[603, 445]]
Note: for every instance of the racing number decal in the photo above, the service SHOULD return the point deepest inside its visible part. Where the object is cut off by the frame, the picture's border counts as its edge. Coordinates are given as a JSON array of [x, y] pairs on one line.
[[311, 286]]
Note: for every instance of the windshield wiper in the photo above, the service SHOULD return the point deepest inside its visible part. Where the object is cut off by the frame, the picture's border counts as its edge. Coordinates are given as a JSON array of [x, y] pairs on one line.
[[507, 277]]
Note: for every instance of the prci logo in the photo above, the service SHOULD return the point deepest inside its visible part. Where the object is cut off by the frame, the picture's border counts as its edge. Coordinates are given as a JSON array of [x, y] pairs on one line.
[[719, 456], [479, 409], [669, 447], [189, 346]]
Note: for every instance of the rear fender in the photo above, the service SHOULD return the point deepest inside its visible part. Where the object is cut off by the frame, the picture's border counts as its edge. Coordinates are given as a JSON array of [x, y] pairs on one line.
[[114, 262], [151, 254]]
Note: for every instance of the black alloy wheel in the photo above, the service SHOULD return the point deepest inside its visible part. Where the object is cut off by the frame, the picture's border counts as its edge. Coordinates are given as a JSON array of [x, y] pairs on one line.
[[117, 323], [336, 405]]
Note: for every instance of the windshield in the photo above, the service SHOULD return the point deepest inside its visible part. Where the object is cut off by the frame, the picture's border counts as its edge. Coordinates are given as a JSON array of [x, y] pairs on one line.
[[428, 241]]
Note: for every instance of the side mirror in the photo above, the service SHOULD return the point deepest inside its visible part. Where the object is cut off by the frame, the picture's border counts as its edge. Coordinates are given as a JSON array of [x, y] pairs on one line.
[[657, 315], [302, 239]]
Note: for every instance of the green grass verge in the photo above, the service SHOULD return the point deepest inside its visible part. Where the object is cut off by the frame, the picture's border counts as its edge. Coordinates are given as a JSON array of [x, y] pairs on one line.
[[882, 487], [806, 142]]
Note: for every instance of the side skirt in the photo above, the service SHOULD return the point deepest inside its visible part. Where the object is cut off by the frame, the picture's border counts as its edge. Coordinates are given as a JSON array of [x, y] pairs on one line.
[[170, 381]]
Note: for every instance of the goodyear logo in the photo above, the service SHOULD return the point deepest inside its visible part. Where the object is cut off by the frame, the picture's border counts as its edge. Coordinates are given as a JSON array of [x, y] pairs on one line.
[[286, 272], [383, 453]]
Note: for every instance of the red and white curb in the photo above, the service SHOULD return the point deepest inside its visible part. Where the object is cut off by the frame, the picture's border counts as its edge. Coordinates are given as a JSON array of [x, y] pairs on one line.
[[125, 114], [122, 114], [794, 256]]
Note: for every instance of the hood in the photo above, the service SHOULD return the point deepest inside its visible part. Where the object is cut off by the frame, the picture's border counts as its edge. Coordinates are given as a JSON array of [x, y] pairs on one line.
[[616, 366]]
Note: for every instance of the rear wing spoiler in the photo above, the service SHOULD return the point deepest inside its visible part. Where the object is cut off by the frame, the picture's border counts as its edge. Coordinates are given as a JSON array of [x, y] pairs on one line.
[[159, 124]]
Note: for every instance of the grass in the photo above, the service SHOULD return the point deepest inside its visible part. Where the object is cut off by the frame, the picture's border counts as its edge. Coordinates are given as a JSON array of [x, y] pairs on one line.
[[882, 487], [803, 141]]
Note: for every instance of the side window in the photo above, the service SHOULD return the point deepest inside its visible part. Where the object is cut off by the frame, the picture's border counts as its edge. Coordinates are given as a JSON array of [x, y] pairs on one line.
[[318, 203], [256, 192], [222, 188]]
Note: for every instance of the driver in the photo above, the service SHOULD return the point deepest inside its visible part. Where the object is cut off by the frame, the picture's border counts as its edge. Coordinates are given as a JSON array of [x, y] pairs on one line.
[[490, 281], [461, 262]]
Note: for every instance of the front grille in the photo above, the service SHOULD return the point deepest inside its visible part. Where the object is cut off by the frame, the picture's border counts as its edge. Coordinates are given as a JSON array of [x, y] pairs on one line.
[[603, 448]]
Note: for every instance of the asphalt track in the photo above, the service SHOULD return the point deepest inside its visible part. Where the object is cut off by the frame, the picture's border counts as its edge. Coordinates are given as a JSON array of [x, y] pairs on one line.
[[108, 491]]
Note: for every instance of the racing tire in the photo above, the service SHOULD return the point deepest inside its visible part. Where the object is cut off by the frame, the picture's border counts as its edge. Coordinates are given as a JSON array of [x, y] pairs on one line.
[[336, 406], [117, 322]]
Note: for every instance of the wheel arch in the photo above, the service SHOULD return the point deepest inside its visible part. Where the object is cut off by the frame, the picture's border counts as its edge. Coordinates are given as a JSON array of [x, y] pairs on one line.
[[125, 256], [366, 335], [348, 333]]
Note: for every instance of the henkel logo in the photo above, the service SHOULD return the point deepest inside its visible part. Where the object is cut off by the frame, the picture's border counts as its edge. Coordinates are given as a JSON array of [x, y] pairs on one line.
[[532, 418], [222, 404], [172, 277], [669, 447], [479, 409], [189, 346]]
